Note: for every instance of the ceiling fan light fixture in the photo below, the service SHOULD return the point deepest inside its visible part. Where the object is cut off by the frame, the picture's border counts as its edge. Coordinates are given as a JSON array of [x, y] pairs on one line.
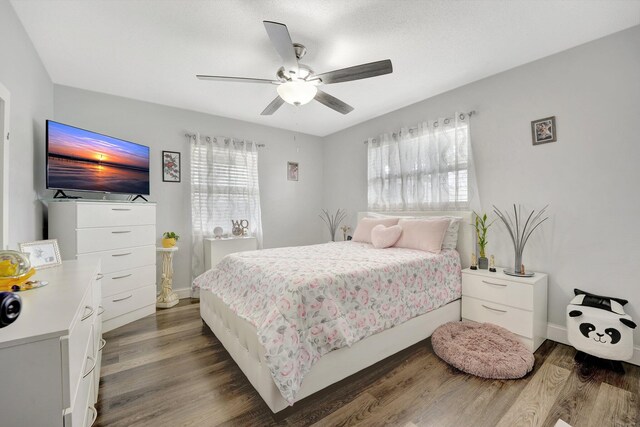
[[297, 92]]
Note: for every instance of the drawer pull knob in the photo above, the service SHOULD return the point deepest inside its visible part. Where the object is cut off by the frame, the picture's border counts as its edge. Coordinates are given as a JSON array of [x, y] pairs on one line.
[[494, 309], [122, 299], [100, 310], [124, 254], [94, 417], [121, 232], [99, 276], [494, 284], [120, 209], [121, 277], [89, 314], [93, 366], [103, 342]]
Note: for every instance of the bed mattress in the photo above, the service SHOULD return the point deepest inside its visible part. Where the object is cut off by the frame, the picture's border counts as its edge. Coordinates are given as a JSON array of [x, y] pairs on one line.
[[307, 301]]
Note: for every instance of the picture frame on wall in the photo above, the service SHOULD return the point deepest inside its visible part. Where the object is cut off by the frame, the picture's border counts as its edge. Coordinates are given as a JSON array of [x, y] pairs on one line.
[[544, 130], [292, 171], [42, 253], [170, 166]]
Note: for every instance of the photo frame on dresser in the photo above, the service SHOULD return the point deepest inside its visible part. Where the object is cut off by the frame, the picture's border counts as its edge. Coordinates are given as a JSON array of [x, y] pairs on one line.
[[42, 253]]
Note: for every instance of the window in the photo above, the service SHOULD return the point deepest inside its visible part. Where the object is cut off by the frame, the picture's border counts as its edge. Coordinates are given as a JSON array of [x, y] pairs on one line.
[[421, 169], [224, 185]]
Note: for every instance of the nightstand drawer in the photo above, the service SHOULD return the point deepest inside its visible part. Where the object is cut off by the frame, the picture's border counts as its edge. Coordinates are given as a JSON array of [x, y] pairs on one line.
[[517, 321], [497, 290]]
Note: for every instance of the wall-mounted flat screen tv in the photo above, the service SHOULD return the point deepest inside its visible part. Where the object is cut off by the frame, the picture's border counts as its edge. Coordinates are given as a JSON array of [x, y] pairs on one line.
[[80, 160]]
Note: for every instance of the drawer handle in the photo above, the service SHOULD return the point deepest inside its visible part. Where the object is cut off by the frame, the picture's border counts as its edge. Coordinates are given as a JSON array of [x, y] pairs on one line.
[[121, 232], [494, 309], [124, 254], [494, 284], [100, 310], [122, 299], [94, 417], [86, 316], [121, 277], [103, 342], [120, 209], [99, 276], [94, 361]]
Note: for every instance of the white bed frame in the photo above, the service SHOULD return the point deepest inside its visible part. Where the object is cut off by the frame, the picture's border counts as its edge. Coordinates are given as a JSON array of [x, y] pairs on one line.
[[240, 337]]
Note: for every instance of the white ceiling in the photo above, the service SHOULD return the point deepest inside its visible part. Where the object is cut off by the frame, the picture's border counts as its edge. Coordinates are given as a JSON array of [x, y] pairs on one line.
[[151, 49]]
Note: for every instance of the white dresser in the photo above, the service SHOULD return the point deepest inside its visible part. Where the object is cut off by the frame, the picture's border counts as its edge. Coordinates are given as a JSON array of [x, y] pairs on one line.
[[518, 304], [122, 235], [216, 249], [50, 356]]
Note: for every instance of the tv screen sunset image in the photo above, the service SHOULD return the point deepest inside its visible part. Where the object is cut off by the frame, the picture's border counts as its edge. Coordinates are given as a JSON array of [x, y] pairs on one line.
[[78, 159]]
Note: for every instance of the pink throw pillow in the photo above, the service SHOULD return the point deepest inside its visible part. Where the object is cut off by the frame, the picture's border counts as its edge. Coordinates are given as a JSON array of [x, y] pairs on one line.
[[365, 225], [422, 234], [384, 237]]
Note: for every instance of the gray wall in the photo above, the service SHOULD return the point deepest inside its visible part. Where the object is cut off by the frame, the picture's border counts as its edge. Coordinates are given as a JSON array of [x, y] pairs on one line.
[[289, 209], [589, 177], [23, 74]]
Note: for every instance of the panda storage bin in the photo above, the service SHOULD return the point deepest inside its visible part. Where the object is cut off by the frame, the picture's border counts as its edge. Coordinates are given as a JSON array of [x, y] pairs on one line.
[[598, 326]]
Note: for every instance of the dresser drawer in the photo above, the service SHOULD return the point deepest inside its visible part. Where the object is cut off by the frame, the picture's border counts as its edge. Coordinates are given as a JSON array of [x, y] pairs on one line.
[[505, 292], [80, 345], [516, 320], [123, 259], [78, 414], [109, 238], [115, 215], [124, 302], [122, 281]]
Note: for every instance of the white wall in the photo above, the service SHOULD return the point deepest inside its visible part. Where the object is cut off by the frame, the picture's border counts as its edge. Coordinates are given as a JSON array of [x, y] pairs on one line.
[[589, 177], [23, 74], [289, 209]]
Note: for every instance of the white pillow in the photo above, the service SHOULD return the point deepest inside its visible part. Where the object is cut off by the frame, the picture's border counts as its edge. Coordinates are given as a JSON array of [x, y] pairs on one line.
[[451, 236]]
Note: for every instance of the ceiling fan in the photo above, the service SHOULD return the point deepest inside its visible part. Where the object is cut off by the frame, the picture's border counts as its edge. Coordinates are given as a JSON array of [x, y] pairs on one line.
[[297, 83]]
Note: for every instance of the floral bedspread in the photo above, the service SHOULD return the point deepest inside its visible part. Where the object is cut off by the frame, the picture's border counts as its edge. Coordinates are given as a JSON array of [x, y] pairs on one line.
[[307, 301]]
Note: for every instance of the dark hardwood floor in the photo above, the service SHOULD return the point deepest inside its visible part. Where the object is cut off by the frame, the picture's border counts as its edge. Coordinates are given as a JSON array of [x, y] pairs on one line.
[[168, 369]]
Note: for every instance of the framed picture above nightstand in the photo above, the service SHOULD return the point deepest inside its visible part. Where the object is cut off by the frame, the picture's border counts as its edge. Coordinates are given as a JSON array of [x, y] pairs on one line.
[[518, 304]]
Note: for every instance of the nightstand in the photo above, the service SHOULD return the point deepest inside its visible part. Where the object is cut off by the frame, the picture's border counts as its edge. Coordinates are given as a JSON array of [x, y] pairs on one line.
[[518, 304], [216, 249]]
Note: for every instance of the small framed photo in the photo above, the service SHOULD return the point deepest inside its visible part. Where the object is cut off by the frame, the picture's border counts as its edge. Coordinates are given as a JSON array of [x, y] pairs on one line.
[[544, 130], [170, 166], [43, 253], [292, 171]]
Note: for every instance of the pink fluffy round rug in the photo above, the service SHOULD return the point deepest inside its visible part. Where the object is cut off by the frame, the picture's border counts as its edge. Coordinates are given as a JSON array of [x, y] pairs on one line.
[[482, 349]]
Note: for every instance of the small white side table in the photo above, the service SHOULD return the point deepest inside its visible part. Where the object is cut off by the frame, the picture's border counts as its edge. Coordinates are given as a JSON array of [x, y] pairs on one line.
[[167, 297], [518, 304], [216, 249]]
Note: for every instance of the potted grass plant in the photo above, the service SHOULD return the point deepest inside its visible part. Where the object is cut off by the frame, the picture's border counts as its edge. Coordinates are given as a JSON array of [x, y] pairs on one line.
[[169, 239], [482, 225]]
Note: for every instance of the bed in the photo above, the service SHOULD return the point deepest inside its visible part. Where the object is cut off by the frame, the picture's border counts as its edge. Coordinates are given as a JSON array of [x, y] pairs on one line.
[[291, 339]]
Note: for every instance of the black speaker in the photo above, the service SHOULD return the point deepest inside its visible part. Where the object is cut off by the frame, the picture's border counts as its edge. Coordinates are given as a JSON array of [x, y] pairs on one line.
[[10, 306]]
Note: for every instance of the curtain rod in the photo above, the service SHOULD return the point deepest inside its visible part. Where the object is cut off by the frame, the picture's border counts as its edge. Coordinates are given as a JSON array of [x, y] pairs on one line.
[[208, 138], [470, 113]]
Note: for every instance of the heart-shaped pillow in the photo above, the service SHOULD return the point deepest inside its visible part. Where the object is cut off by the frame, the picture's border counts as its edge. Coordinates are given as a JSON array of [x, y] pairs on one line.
[[384, 237]]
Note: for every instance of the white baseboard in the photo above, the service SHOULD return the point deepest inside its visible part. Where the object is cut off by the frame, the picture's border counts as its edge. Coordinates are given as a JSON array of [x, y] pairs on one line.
[[182, 293], [558, 333]]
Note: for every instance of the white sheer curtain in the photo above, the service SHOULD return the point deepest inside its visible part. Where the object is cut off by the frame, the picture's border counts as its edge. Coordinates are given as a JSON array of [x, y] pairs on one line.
[[423, 168], [224, 186]]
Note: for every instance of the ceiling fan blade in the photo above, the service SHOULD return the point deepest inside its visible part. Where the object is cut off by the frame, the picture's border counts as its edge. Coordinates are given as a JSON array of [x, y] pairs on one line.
[[333, 102], [273, 106], [281, 40], [236, 79], [357, 72]]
